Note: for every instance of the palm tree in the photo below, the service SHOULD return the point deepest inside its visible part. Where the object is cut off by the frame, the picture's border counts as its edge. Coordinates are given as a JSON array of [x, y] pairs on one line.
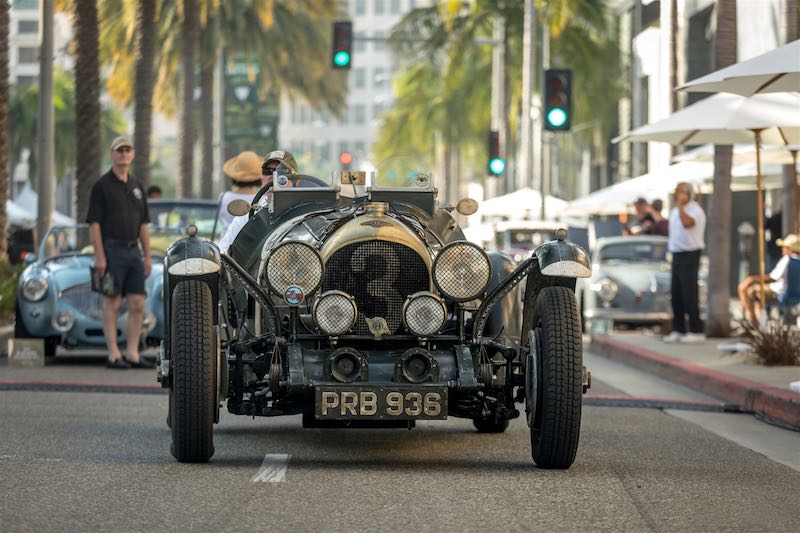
[[4, 168], [186, 134], [143, 87], [87, 101], [719, 218], [272, 34], [444, 35]]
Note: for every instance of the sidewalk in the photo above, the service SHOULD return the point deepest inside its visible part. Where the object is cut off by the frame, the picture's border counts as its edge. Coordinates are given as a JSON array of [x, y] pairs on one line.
[[736, 378]]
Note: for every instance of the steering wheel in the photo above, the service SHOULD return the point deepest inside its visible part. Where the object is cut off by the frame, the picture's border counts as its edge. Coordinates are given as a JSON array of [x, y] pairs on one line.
[[297, 180]]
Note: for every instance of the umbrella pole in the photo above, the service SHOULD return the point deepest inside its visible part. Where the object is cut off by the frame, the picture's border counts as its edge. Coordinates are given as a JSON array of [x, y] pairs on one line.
[[760, 205]]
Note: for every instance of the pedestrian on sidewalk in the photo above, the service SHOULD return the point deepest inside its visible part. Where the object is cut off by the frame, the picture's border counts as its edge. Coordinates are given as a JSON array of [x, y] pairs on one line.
[[118, 223], [776, 281], [661, 225], [687, 225]]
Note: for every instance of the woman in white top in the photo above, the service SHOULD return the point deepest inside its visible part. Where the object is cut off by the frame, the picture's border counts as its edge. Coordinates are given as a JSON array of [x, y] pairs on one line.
[[245, 173]]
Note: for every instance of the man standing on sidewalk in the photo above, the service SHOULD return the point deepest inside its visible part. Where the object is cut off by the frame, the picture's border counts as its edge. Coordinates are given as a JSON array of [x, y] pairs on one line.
[[687, 225], [118, 219]]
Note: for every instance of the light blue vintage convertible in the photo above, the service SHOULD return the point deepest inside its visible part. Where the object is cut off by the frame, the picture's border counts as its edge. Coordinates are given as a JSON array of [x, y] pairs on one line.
[[55, 301]]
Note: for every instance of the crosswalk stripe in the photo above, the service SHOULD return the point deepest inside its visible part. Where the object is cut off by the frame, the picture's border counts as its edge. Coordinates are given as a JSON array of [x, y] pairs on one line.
[[273, 468]]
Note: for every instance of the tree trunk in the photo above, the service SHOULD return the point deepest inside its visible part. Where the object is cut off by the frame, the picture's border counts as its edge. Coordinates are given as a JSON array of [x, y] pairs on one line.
[[87, 102], [720, 232], [143, 88], [4, 168], [186, 134], [207, 128]]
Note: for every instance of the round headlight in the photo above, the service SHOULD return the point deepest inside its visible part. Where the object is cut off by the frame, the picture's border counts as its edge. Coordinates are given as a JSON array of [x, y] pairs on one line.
[[424, 314], [606, 288], [294, 263], [335, 312], [462, 271], [62, 321], [34, 289]]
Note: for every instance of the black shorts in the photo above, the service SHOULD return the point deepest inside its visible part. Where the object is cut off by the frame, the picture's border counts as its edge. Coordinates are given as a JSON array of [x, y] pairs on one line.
[[126, 267]]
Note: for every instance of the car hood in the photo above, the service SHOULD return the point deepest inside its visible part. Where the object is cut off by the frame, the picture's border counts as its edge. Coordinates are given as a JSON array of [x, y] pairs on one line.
[[71, 270], [636, 275]]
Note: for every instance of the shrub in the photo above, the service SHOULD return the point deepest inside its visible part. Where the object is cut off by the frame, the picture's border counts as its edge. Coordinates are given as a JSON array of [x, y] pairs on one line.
[[777, 345]]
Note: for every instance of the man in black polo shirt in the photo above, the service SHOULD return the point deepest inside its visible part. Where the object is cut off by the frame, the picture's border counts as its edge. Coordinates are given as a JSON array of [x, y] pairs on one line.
[[118, 219]]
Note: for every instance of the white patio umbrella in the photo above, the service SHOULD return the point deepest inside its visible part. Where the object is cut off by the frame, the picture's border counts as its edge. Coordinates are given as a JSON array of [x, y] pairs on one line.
[[728, 119], [776, 71]]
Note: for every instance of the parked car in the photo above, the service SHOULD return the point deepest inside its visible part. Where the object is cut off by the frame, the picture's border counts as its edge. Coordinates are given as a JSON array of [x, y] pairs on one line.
[[630, 282], [519, 238], [169, 218], [55, 301], [364, 306]]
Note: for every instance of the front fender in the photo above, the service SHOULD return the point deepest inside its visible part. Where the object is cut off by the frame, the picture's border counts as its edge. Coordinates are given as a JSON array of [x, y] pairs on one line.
[[190, 258], [564, 259]]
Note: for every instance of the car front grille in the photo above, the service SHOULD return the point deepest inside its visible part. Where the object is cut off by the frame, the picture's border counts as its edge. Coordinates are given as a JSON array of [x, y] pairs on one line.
[[88, 302], [380, 275]]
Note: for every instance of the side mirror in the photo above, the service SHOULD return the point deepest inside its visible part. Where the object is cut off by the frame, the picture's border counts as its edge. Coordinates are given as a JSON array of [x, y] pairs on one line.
[[467, 206], [238, 208]]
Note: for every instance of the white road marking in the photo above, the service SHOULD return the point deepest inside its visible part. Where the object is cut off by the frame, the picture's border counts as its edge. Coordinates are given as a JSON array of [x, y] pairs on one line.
[[273, 469]]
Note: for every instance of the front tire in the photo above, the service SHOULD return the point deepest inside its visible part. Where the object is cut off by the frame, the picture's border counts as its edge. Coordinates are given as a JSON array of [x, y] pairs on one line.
[[556, 422], [193, 392]]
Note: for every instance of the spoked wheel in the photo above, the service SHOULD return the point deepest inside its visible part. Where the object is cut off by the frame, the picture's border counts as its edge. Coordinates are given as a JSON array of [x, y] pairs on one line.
[[193, 395], [554, 381]]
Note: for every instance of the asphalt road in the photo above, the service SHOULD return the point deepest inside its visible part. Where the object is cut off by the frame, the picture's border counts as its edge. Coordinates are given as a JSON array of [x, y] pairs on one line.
[[90, 461]]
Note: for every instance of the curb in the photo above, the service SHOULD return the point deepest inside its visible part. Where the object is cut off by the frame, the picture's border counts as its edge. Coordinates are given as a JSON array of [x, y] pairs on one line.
[[779, 404]]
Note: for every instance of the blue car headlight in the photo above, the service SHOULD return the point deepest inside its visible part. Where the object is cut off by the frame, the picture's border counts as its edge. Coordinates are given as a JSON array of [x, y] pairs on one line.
[[34, 289]]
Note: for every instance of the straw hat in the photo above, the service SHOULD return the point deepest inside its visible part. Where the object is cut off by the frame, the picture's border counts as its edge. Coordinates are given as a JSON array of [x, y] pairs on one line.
[[245, 167], [790, 241]]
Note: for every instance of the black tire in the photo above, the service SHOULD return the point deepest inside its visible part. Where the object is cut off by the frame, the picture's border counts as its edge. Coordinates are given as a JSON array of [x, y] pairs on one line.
[[21, 332], [193, 369], [490, 425], [557, 422]]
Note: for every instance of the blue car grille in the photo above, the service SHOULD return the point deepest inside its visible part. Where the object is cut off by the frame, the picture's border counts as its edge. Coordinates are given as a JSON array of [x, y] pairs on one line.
[[86, 301]]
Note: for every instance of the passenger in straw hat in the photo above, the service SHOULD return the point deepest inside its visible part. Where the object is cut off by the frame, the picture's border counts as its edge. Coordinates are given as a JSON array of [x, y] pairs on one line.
[[245, 173], [776, 281]]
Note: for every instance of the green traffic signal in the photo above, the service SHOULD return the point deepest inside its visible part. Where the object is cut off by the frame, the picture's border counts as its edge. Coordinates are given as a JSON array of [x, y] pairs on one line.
[[497, 166], [341, 59], [556, 117]]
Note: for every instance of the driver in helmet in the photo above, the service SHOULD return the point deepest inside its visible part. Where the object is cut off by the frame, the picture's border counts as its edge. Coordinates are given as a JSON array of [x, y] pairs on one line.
[[277, 158]]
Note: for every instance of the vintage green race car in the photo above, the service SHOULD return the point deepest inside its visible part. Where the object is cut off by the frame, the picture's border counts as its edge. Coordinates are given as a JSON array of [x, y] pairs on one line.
[[358, 303]]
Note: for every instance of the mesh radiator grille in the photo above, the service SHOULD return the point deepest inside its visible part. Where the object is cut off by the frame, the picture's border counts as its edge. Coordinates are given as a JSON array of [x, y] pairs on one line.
[[380, 275], [88, 302]]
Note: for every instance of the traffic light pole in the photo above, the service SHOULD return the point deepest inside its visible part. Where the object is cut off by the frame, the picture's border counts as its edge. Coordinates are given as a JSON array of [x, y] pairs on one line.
[[526, 159], [498, 89], [544, 158]]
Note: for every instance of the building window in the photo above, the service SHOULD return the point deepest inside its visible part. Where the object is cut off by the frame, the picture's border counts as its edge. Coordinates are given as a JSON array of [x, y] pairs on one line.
[[344, 147], [24, 81], [379, 78], [27, 26], [359, 114], [361, 7], [395, 7], [377, 111], [345, 5], [361, 148], [379, 7], [344, 119], [359, 45], [27, 54], [359, 78], [380, 40]]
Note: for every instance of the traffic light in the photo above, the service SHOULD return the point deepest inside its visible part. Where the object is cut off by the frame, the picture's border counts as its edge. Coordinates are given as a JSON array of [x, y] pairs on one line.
[[557, 99], [342, 44], [345, 158], [496, 163]]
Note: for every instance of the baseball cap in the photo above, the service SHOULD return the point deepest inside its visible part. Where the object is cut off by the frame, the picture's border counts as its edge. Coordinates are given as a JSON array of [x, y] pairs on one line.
[[121, 141]]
